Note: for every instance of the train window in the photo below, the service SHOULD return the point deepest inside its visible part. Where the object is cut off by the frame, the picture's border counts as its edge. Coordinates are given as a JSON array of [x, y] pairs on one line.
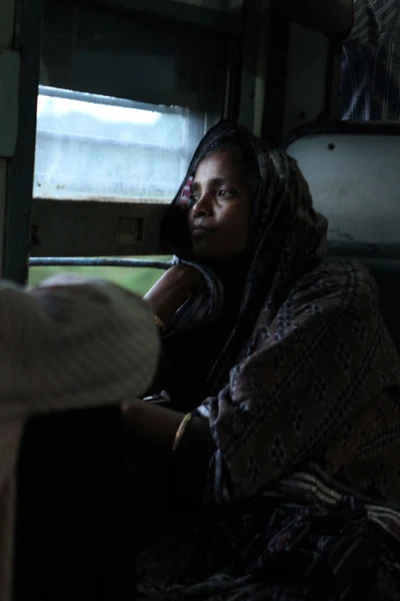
[[91, 147]]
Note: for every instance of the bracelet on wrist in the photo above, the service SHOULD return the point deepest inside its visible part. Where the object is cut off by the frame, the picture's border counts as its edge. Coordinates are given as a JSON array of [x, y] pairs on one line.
[[159, 323], [181, 431]]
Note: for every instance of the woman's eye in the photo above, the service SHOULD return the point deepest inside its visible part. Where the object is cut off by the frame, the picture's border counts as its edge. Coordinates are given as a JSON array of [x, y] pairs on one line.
[[193, 198], [225, 193]]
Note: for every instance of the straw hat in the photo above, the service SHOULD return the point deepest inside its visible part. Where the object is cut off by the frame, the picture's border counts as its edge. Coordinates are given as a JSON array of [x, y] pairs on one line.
[[73, 342]]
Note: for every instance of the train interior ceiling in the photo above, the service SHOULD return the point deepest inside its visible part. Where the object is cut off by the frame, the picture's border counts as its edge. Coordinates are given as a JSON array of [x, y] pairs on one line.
[[114, 96]]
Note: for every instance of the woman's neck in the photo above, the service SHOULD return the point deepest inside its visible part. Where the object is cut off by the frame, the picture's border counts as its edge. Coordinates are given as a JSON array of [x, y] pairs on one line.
[[233, 277]]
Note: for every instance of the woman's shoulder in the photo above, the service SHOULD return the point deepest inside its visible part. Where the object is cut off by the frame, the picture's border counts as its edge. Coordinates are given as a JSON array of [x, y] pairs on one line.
[[339, 282]]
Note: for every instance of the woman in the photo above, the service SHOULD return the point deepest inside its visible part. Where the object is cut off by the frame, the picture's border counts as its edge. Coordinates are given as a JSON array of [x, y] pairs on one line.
[[282, 439]]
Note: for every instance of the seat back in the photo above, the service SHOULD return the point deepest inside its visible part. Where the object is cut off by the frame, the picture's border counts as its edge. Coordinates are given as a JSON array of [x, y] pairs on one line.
[[353, 170]]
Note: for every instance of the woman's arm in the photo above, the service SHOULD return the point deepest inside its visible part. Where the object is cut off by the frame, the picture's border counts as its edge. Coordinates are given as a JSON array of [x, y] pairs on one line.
[[165, 297], [172, 290], [161, 424], [154, 422]]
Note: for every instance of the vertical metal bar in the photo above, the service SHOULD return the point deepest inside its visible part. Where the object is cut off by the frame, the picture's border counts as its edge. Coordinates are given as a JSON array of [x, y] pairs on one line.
[[7, 24], [260, 83], [251, 17], [6, 42], [306, 77], [3, 195], [332, 100], [20, 176], [275, 76], [234, 79]]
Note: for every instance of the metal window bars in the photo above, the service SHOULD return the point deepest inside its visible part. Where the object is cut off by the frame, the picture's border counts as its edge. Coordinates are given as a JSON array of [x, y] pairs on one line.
[[98, 262]]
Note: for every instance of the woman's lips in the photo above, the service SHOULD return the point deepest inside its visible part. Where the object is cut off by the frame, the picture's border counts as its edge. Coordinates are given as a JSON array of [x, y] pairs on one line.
[[201, 231]]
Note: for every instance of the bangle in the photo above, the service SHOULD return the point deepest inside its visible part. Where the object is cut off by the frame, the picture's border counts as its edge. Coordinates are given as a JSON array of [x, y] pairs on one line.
[[181, 431], [159, 323]]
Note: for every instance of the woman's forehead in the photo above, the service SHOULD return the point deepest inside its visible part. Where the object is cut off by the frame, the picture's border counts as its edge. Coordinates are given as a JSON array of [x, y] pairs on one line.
[[220, 165]]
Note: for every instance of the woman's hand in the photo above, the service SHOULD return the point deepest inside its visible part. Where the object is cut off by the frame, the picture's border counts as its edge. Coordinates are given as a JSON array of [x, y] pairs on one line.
[[172, 290]]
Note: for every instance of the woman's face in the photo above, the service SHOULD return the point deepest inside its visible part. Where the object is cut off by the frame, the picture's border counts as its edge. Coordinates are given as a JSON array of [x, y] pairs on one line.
[[218, 220]]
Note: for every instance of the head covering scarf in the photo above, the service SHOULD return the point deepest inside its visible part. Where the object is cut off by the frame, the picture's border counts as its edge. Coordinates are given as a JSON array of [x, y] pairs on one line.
[[287, 238], [308, 372]]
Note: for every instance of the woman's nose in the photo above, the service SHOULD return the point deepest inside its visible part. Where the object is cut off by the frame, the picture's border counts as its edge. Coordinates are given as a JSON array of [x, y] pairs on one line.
[[202, 207]]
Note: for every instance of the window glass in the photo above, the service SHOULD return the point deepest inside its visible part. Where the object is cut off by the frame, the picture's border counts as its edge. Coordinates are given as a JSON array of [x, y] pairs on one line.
[[91, 147]]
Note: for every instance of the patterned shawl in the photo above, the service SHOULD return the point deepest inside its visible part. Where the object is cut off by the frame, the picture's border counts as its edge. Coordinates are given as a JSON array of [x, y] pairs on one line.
[[309, 373]]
